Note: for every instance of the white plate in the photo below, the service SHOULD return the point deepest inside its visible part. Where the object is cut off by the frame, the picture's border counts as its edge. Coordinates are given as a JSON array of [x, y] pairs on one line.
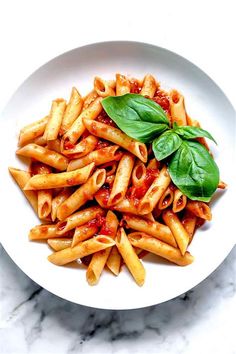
[[205, 102]]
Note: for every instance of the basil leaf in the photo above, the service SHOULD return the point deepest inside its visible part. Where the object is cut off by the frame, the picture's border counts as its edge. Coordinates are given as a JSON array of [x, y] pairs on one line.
[[193, 171], [166, 144], [136, 115], [188, 132]]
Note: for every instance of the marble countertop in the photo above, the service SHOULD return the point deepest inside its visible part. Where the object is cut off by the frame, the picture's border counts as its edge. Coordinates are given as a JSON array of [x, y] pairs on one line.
[[32, 320]]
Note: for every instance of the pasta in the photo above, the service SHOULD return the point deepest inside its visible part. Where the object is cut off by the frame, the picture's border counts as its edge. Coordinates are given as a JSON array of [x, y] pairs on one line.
[[103, 196]]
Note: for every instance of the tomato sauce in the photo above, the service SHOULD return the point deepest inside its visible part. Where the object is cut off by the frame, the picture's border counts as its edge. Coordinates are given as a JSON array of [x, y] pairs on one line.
[[161, 98], [102, 144], [136, 193], [134, 86], [105, 119]]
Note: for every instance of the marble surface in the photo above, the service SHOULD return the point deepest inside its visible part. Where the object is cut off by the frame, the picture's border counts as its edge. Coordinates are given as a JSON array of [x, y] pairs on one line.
[[33, 320]]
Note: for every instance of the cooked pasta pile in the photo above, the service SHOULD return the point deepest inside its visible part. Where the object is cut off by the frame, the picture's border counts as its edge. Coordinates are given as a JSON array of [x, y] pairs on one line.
[[102, 196]]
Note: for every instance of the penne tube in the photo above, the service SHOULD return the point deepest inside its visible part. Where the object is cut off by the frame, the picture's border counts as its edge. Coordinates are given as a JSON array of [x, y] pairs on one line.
[[117, 137], [84, 147], [32, 131], [78, 128], [98, 157], [42, 232], [200, 209], [78, 219], [110, 168], [39, 141], [82, 194], [83, 249], [149, 86], [139, 174], [44, 196], [166, 199], [179, 202], [126, 206], [63, 195], [114, 261], [55, 118], [180, 234], [122, 179], [149, 216], [155, 191], [46, 156], [58, 244], [122, 85], [153, 228], [44, 203], [102, 87], [54, 145], [72, 111], [89, 98], [84, 232], [100, 258], [153, 164], [161, 249], [59, 180], [130, 258], [189, 221], [222, 185], [177, 108], [21, 178]]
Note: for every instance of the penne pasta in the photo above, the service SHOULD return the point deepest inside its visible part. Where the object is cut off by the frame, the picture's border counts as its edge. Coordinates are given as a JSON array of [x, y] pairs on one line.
[[179, 202], [122, 179], [32, 131], [166, 199], [59, 180], [21, 178], [153, 245], [58, 244], [200, 209], [149, 86], [114, 261], [42, 232], [49, 157], [83, 249], [78, 219], [222, 185], [98, 157], [122, 85], [180, 234], [55, 118], [153, 164], [177, 108], [189, 221], [100, 258], [155, 191], [110, 168], [44, 196], [103, 88], [130, 258], [78, 128], [83, 148], [63, 195], [117, 137], [89, 98], [84, 232], [39, 141], [153, 228], [72, 111], [139, 174], [81, 195], [54, 145]]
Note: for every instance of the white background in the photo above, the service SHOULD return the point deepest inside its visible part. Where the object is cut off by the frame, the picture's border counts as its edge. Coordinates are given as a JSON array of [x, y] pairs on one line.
[[32, 32]]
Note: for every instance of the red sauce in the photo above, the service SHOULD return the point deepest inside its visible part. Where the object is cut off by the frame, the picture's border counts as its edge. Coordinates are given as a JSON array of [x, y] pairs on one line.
[[102, 144], [68, 145], [105, 119], [104, 194], [134, 86], [161, 98], [136, 193], [39, 168], [105, 230], [98, 221]]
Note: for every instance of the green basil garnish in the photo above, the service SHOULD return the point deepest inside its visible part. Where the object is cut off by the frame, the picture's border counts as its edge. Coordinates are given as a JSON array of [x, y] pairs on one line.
[[194, 171], [166, 144], [188, 132], [191, 167], [137, 116]]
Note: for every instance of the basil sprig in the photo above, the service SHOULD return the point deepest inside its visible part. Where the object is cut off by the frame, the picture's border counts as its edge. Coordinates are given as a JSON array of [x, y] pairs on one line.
[[191, 167]]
